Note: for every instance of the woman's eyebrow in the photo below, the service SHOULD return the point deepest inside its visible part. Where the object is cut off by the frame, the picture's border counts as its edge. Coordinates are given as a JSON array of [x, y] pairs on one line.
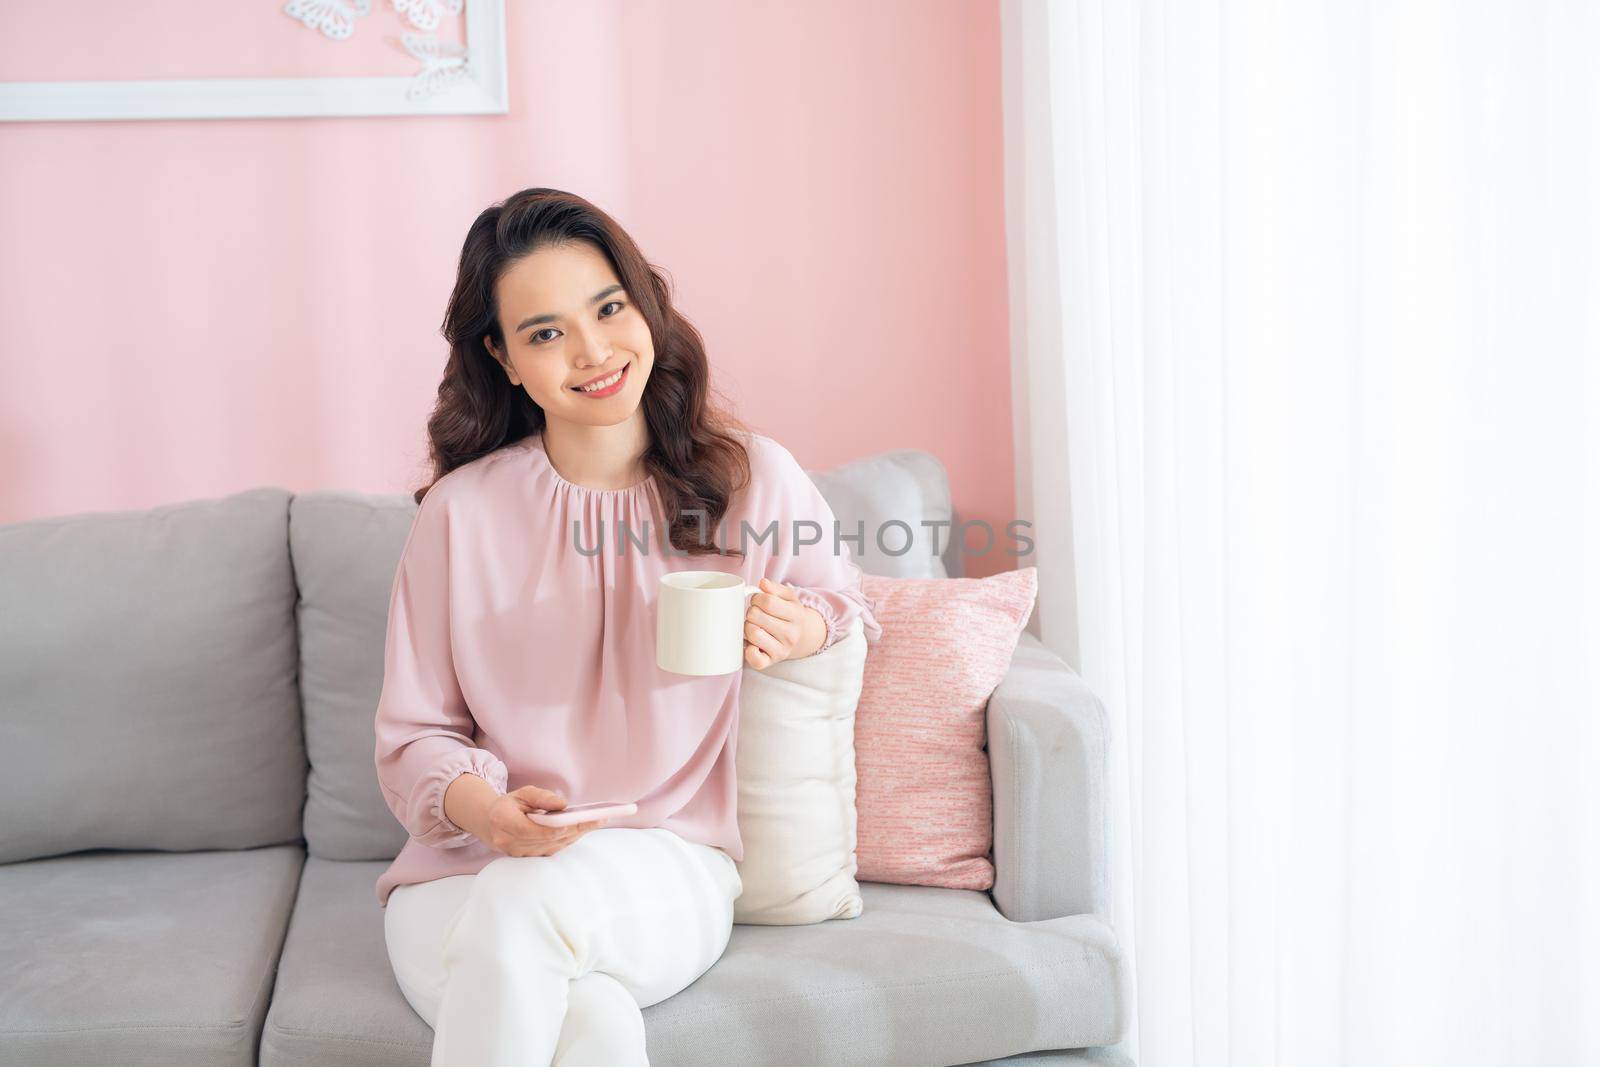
[[537, 319]]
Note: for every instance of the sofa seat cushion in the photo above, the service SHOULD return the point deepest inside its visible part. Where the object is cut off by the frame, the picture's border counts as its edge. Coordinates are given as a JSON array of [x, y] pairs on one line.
[[924, 975], [142, 957], [336, 1001]]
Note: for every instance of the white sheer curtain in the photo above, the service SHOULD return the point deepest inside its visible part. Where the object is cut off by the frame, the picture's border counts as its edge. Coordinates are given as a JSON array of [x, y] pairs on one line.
[[1305, 333]]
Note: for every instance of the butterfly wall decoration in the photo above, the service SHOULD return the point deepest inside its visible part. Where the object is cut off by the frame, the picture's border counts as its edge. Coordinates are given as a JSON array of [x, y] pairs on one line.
[[336, 19], [444, 63], [425, 14]]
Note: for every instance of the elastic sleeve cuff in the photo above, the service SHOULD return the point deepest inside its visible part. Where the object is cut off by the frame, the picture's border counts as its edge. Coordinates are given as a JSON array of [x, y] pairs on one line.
[[444, 833], [836, 626]]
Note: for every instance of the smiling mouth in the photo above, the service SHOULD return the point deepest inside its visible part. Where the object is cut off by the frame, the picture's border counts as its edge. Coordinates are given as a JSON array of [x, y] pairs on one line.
[[617, 380]]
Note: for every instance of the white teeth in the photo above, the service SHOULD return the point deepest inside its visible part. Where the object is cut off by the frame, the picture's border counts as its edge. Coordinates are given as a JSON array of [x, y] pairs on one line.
[[603, 383]]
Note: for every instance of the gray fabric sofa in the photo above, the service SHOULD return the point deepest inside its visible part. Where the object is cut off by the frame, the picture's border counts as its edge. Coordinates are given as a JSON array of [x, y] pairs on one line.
[[191, 827]]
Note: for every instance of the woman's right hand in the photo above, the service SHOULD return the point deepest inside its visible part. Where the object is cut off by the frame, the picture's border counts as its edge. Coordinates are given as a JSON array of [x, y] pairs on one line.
[[513, 833]]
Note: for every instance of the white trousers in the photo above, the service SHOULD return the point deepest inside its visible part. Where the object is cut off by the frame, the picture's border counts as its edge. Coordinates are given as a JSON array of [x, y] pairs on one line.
[[548, 960]]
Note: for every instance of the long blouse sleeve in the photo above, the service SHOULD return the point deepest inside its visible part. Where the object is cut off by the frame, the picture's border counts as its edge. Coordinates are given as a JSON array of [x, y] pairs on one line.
[[424, 728], [823, 579]]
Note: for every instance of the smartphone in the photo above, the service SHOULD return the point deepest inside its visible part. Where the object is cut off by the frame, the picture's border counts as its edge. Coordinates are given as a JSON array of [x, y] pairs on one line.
[[582, 813]]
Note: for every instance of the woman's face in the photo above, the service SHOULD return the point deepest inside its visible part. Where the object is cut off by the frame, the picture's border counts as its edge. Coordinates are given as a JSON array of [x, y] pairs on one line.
[[567, 321]]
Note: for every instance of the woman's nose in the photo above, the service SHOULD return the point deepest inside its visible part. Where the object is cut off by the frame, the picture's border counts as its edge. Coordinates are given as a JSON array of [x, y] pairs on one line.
[[592, 350], [592, 355]]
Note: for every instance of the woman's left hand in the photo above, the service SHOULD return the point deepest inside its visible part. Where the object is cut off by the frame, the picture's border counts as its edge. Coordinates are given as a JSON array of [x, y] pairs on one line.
[[776, 625]]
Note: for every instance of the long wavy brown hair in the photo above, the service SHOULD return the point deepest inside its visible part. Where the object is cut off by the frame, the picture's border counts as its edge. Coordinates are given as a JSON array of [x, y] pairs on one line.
[[696, 459]]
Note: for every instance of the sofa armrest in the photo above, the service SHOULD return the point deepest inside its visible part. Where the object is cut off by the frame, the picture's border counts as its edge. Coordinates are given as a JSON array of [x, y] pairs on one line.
[[1047, 760]]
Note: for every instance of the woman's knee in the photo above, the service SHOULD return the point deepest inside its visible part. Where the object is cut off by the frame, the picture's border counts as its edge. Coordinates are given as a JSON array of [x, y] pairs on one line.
[[517, 883]]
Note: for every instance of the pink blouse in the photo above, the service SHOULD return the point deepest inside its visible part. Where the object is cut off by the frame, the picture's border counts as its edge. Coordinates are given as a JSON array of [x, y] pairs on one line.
[[525, 656]]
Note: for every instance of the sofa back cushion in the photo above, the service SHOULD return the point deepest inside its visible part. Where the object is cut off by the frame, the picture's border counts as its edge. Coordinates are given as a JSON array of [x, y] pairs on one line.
[[346, 546], [147, 663], [890, 495]]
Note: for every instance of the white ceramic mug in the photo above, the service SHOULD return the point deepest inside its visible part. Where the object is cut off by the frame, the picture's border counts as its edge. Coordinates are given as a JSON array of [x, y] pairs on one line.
[[700, 622]]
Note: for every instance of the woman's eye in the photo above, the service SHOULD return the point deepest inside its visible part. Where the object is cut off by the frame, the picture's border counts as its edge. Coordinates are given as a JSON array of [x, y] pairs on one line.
[[533, 338]]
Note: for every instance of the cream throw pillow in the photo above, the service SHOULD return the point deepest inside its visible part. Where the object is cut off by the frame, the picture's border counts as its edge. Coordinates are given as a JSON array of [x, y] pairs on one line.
[[796, 766]]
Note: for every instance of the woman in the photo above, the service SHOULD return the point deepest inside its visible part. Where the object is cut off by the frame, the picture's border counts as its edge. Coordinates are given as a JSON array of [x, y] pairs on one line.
[[577, 458]]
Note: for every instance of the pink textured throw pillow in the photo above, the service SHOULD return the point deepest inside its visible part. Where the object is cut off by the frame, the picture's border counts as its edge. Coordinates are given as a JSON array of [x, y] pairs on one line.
[[923, 796]]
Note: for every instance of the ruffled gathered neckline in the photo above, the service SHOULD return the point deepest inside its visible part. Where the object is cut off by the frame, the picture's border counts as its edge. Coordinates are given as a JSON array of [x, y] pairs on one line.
[[536, 446]]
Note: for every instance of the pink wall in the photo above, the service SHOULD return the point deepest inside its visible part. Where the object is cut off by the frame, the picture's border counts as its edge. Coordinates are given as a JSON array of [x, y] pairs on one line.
[[191, 308]]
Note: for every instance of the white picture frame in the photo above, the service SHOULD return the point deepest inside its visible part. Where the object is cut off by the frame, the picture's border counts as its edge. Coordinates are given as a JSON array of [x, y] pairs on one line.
[[482, 91]]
